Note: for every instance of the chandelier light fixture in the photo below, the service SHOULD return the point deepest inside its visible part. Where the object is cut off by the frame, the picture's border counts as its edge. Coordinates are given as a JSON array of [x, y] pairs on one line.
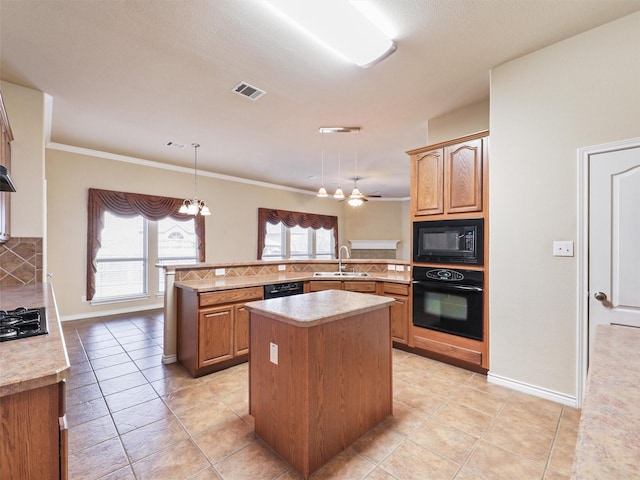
[[193, 206], [352, 29], [356, 198]]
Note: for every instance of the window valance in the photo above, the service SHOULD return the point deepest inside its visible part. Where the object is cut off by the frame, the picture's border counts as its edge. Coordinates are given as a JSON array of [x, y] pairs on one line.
[[293, 219], [151, 207]]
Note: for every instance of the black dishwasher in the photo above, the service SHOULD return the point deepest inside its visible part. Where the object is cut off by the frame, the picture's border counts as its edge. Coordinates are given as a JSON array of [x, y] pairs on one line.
[[277, 290]]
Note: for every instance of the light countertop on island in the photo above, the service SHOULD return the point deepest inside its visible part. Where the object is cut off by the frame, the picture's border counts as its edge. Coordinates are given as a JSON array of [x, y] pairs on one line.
[[32, 362], [316, 308]]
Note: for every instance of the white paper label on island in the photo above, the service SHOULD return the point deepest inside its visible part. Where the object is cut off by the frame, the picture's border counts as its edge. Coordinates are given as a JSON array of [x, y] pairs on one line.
[[273, 353]]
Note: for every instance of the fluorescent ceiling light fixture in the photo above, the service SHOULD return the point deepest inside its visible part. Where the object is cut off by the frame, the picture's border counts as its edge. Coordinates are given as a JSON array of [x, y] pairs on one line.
[[340, 26]]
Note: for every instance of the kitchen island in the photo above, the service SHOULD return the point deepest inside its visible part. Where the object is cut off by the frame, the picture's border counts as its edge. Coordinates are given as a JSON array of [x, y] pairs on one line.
[[319, 372]]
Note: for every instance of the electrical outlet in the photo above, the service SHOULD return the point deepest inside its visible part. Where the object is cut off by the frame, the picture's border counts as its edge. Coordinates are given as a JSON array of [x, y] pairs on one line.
[[400, 268], [562, 248], [282, 268], [391, 268], [273, 353], [219, 271]]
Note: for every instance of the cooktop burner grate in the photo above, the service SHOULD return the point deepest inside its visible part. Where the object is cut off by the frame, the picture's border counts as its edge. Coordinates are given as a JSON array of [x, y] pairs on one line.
[[22, 323]]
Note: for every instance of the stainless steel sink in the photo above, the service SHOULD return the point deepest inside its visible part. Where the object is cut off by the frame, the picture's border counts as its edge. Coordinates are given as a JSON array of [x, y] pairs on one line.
[[341, 274]]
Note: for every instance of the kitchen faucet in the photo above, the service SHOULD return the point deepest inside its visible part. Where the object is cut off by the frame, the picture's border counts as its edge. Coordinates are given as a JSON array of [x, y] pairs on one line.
[[340, 256]]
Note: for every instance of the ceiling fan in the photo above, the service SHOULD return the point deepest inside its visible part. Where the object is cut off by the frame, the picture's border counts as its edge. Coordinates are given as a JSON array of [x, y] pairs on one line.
[[357, 198]]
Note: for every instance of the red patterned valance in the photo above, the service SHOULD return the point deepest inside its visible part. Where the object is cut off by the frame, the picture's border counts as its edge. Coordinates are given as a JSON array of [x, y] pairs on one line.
[[151, 207], [292, 219]]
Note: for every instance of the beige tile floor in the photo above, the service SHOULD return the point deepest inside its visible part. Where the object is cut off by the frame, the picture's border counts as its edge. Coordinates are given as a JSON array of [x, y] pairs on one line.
[[131, 417]]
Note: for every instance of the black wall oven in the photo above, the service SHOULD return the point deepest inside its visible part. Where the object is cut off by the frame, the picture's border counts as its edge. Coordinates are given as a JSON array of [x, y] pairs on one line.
[[449, 241], [449, 300]]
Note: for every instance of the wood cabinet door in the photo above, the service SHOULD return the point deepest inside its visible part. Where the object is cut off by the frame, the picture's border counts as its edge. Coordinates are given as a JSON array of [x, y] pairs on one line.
[[358, 286], [429, 183], [463, 177], [29, 434], [241, 331], [215, 336], [400, 319], [5, 197]]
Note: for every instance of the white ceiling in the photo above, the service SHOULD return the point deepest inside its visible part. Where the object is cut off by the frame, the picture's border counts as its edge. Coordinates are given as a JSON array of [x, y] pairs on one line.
[[126, 76]]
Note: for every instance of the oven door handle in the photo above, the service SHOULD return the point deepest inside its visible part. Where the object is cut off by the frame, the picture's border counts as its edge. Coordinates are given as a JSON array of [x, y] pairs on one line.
[[466, 288]]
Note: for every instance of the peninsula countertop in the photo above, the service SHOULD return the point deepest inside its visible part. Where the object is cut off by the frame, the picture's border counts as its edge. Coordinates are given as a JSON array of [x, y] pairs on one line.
[[32, 362], [316, 308], [608, 444], [226, 283]]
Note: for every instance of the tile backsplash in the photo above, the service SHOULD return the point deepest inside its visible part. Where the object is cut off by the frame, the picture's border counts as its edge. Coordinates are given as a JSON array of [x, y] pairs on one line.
[[21, 261]]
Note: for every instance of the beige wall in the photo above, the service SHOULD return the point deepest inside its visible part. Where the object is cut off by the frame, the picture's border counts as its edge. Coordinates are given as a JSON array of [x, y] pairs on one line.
[[231, 230], [544, 106], [458, 123], [379, 220]]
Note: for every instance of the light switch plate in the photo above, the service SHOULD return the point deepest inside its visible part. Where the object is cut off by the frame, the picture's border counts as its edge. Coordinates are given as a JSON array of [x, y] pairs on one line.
[[273, 353], [219, 271], [563, 248], [282, 268]]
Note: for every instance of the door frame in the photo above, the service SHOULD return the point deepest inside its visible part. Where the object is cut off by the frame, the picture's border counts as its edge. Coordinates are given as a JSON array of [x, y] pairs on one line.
[[582, 340]]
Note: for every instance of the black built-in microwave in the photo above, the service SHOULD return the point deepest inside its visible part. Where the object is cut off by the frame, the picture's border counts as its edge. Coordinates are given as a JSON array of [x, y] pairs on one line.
[[449, 241]]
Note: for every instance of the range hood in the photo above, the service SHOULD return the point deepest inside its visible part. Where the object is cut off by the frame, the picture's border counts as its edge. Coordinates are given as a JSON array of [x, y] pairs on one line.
[[6, 184]]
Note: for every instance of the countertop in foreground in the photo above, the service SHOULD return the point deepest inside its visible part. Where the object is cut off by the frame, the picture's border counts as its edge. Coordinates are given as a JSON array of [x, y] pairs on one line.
[[32, 362], [608, 445]]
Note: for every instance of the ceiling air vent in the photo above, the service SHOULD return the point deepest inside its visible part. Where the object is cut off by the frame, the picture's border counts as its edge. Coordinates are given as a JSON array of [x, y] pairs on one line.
[[248, 91]]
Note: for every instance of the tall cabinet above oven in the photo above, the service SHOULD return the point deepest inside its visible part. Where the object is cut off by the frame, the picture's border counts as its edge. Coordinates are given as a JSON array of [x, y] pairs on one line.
[[450, 223]]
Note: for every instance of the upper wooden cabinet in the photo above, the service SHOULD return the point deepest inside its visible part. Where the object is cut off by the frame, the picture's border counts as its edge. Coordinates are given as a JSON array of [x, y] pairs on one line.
[[447, 178], [5, 159]]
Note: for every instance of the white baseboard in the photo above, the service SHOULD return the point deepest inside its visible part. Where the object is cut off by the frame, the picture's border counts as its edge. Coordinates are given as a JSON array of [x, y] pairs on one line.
[[166, 359], [106, 313], [534, 390]]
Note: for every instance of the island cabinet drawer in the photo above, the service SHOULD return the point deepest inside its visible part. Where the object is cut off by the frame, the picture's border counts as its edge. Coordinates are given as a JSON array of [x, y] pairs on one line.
[[362, 287], [318, 285], [230, 296], [395, 288]]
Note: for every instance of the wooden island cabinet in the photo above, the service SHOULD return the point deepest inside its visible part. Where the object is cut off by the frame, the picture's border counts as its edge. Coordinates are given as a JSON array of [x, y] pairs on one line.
[[213, 328], [212, 322], [319, 372]]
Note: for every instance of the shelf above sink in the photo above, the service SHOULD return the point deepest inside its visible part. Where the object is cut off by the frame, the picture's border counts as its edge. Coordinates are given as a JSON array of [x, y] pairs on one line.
[[341, 274]]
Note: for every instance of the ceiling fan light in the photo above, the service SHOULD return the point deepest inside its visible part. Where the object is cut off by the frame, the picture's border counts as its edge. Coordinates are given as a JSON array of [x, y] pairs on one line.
[[355, 193], [355, 201], [339, 195], [322, 193]]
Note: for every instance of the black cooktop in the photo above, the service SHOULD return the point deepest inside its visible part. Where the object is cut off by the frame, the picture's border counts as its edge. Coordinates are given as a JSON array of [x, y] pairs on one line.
[[22, 323]]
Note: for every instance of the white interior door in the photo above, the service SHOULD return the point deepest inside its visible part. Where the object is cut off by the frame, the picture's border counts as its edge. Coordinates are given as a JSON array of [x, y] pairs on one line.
[[614, 237]]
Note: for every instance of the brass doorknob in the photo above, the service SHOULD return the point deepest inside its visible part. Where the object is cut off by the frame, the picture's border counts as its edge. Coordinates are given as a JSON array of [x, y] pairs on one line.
[[600, 296]]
